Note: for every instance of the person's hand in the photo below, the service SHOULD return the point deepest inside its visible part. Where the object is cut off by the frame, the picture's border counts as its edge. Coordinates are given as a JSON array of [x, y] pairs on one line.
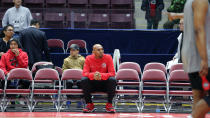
[[171, 16], [16, 51], [97, 76], [1, 53], [204, 68]]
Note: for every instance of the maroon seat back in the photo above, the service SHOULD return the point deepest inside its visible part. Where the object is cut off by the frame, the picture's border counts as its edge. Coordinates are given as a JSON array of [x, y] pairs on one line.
[[155, 65], [154, 75], [46, 74], [127, 74], [2, 76], [130, 65], [178, 66], [20, 73], [178, 75], [72, 74]]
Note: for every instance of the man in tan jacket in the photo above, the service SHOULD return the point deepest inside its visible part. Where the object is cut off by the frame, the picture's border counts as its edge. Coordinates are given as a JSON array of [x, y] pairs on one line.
[[74, 61]]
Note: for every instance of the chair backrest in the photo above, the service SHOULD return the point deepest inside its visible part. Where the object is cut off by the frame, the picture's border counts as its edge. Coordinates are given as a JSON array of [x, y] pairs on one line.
[[77, 17], [178, 75], [54, 17], [20, 73], [2, 76], [55, 43], [55, 1], [122, 2], [6, 1], [72, 74], [37, 16], [127, 74], [39, 63], [59, 69], [100, 18], [80, 43], [122, 18], [34, 1], [46, 74], [155, 65], [178, 66], [77, 1], [154, 75], [99, 1], [130, 65]]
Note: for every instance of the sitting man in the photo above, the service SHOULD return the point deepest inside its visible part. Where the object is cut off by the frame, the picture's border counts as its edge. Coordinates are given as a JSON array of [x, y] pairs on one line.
[[15, 58], [98, 75], [74, 61]]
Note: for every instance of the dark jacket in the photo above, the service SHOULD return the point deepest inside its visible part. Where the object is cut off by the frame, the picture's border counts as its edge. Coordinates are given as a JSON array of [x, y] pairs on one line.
[[10, 61], [159, 7], [34, 42], [4, 47]]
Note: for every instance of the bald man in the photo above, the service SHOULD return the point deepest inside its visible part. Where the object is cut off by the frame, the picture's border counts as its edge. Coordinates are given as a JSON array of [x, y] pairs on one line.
[[98, 75]]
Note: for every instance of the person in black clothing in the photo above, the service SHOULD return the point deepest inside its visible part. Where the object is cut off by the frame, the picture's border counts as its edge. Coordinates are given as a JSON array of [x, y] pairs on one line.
[[153, 14], [34, 42], [6, 34]]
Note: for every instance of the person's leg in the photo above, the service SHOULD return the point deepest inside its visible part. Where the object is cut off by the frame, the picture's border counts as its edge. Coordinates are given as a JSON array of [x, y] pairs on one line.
[[149, 24], [87, 88], [201, 108], [197, 96], [78, 83], [111, 84], [23, 84], [155, 24]]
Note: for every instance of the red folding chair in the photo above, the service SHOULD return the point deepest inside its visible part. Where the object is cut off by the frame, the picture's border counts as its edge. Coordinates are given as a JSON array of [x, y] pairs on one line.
[[154, 84], [155, 65], [70, 74], [54, 92], [130, 78], [131, 65], [2, 78], [18, 74], [80, 43], [178, 66], [55, 43], [179, 86]]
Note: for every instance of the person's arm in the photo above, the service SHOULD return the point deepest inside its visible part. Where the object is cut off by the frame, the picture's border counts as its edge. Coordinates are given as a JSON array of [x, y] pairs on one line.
[[86, 70], [3, 64], [161, 5], [29, 18], [65, 65], [45, 48], [22, 59], [111, 70], [174, 16], [5, 19], [144, 5], [200, 10]]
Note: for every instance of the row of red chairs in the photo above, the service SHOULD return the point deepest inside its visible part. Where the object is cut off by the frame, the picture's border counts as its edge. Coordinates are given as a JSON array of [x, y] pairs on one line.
[[128, 75], [72, 3], [58, 43], [84, 20]]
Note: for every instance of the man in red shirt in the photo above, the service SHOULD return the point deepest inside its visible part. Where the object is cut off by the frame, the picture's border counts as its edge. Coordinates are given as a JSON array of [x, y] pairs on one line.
[[99, 76]]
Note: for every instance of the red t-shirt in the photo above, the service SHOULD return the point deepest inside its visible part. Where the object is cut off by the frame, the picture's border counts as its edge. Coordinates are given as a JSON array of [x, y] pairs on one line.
[[104, 65]]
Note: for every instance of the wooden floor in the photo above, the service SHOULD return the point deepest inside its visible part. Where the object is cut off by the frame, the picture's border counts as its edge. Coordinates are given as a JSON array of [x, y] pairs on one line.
[[89, 115]]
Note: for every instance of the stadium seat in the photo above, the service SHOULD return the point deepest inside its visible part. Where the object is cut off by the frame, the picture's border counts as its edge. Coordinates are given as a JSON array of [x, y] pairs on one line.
[[154, 87], [38, 16], [123, 4], [54, 20], [99, 3], [178, 66], [77, 3], [56, 3], [128, 78], [131, 65], [55, 45], [59, 70], [50, 94], [122, 21], [98, 20], [18, 74], [34, 3], [81, 43], [70, 74], [77, 20], [7, 3], [179, 85], [155, 65]]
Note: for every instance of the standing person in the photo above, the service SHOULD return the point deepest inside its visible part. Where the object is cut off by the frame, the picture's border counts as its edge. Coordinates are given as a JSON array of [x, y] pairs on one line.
[[99, 75], [196, 51], [153, 14], [34, 42], [6, 34], [18, 16]]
